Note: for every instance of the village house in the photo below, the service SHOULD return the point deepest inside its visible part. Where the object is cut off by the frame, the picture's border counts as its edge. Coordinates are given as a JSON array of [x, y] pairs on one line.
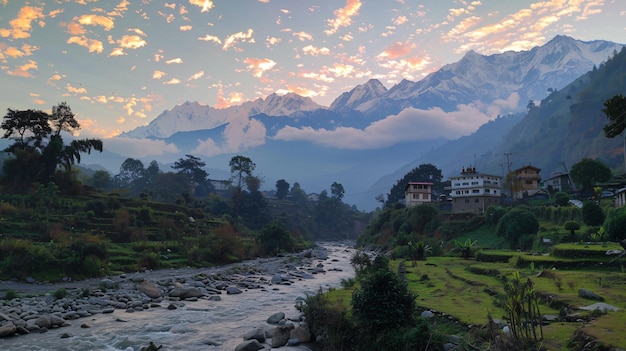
[[474, 192], [416, 193], [557, 182], [529, 178]]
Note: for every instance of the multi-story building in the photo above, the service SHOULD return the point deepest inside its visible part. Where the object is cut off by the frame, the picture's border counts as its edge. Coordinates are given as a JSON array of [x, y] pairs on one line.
[[620, 197], [528, 180], [416, 193], [474, 192]]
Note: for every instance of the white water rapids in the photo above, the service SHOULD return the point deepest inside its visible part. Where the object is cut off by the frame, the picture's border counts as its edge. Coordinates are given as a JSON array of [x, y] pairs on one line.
[[199, 325]]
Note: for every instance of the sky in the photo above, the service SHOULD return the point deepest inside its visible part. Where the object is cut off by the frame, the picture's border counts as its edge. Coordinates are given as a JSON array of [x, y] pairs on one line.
[[119, 64]]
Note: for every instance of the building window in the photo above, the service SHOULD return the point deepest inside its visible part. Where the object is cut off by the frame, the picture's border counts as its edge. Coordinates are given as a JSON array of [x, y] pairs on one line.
[[475, 191]]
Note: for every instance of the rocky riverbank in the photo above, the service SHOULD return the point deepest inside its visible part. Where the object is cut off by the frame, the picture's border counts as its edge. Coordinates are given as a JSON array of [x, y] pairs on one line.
[[39, 308]]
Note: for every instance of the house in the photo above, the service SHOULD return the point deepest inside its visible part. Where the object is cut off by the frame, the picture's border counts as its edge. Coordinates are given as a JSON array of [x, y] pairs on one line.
[[620, 197], [474, 192], [416, 193], [558, 181], [529, 178]]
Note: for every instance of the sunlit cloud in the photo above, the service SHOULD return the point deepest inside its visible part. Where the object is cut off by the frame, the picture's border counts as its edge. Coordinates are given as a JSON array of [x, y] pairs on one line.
[[343, 16], [259, 66], [303, 36], [92, 45], [211, 38], [22, 24], [232, 99], [185, 28], [206, 5], [233, 39], [177, 60], [74, 90], [196, 76], [158, 74], [241, 134], [302, 91], [131, 42], [400, 20], [314, 51], [24, 70], [96, 20], [172, 81], [272, 41], [117, 52], [409, 125], [396, 50]]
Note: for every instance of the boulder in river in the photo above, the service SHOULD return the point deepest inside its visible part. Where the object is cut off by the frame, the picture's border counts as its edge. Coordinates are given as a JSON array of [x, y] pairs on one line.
[[250, 345], [150, 289]]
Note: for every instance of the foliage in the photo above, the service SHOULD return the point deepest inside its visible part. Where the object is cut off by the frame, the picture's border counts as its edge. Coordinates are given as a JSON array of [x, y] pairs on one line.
[[588, 172], [493, 215], [615, 110], [561, 198], [192, 168], [521, 305], [465, 247], [329, 319], [572, 226], [593, 215], [422, 173], [382, 301], [616, 225], [518, 227], [38, 150], [275, 238], [282, 189], [59, 293]]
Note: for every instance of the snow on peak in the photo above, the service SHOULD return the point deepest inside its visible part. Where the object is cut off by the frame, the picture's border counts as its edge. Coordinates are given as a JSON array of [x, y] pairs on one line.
[[363, 93]]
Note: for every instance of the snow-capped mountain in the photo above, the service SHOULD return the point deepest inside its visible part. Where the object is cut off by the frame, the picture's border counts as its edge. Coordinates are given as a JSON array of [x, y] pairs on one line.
[[192, 116], [360, 95], [488, 78]]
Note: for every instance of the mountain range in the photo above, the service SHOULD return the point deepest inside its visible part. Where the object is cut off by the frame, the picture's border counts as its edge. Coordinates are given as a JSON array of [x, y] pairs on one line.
[[468, 112]]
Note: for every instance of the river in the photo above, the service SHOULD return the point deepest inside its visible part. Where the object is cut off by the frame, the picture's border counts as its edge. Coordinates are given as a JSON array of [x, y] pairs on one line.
[[198, 325]]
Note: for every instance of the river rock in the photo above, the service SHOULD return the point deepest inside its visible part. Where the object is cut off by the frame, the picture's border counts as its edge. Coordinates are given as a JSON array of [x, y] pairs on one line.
[[185, 292], [277, 278], [276, 318], [250, 345], [150, 289], [280, 335], [43, 322], [231, 290], [7, 329], [256, 334], [301, 332]]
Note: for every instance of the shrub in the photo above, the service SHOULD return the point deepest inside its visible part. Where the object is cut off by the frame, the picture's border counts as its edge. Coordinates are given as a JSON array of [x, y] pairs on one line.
[[10, 295], [328, 320], [59, 293]]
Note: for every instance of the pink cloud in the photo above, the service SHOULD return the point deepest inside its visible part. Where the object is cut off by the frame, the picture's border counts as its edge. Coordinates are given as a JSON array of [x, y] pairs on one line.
[[343, 16]]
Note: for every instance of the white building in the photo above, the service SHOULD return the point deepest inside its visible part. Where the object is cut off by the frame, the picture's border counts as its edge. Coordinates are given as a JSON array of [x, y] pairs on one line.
[[474, 192]]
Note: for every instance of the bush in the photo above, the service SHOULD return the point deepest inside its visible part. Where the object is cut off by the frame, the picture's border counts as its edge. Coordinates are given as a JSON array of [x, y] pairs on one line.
[[59, 293], [593, 215], [329, 322]]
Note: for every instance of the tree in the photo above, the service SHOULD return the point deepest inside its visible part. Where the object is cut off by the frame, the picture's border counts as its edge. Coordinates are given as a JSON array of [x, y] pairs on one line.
[[240, 168], [39, 149], [191, 167], [382, 302], [423, 173], [274, 238], [131, 172], [518, 227], [616, 225], [282, 189], [592, 213], [561, 199], [588, 172], [100, 180], [615, 110], [337, 190]]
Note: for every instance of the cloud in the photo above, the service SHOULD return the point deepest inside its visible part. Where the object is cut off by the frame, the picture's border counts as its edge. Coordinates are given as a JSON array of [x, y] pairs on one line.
[[303, 36], [92, 45], [196, 76], [206, 5], [172, 81], [241, 134], [22, 24], [158, 74], [177, 60], [343, 16], [232, 39], [138, 148], [396, 50], [211, 38], [24, 70], [410, 124], [271, 41], [258, 66], [185, 28], [131, 42], [75, 90], [314, 51], [96, 20], [400, 20]]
